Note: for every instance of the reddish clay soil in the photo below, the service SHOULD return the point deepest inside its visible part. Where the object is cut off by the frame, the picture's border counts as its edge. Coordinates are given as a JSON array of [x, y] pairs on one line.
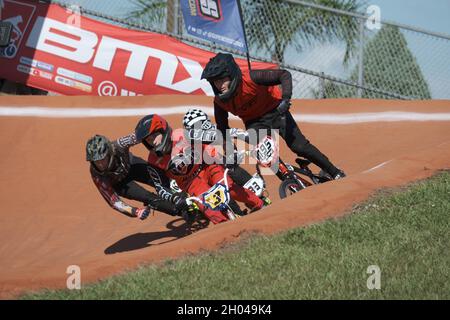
[[53, 216]]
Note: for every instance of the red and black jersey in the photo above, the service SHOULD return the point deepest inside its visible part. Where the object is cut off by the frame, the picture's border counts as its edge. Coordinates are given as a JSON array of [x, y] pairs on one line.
[[257, 94], [105, 181]]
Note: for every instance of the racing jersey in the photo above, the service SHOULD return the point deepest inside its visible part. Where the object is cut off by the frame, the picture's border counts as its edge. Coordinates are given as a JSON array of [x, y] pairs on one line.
[[105, 181], [183, 164], [256, 95]]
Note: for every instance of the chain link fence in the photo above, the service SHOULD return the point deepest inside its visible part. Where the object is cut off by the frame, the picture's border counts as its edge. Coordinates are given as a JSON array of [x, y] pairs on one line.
[[332, 52]]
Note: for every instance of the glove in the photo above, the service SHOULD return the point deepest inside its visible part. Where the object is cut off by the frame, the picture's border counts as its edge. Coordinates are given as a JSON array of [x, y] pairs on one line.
[[179, 200], [190, 213], [142, 213], [284, 106]]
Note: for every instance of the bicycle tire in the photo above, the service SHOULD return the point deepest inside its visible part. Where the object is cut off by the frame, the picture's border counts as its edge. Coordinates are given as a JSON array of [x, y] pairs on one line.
[[289, 185]]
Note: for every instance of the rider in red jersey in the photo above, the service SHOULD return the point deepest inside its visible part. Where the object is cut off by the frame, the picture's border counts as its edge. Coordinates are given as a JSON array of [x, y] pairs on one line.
[[173, 156]]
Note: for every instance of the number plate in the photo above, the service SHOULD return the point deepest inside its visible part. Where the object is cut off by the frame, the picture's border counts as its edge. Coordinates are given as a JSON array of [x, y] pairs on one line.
[[266, 152], [217, 197], [256, 185]]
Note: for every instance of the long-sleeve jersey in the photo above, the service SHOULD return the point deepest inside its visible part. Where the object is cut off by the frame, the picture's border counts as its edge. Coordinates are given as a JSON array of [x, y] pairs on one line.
[[256, 95], [105, 181], [183, 164]]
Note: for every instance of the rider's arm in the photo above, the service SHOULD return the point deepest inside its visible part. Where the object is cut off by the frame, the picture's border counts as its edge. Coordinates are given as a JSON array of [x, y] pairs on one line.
[[273, 77], [127, 141], [221, 117], [112, 198], [162, 184]]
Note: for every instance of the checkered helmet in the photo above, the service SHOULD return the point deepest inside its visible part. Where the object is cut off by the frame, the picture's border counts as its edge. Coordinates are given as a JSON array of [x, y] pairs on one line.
[[198, 119]]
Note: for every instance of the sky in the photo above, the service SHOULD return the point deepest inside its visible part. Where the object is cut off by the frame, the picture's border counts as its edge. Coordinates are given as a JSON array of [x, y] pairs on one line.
[[432, 15]]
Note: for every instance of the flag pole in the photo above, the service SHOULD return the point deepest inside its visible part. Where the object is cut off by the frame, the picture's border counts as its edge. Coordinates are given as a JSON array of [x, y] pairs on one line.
[[245, 36]]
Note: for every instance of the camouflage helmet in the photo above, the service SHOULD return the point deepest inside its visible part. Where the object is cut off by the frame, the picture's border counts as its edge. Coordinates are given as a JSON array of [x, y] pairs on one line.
[[98, 148]]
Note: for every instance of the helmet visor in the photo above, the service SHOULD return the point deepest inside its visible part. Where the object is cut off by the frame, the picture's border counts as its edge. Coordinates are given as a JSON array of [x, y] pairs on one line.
[[102, 164], [155, 140]]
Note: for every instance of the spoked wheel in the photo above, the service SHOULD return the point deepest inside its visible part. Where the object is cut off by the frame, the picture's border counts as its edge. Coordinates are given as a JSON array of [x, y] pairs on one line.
[[289, 187]]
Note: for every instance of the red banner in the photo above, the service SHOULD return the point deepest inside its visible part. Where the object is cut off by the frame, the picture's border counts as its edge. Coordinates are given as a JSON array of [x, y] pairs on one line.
[[57, 50]]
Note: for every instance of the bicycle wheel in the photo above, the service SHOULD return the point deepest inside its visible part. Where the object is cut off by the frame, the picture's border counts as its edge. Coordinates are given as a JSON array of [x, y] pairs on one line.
[[289, 187]]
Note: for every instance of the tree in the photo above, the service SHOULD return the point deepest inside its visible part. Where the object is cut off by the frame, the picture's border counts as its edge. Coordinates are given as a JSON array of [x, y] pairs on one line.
[[149, 12], [300, 26], [389, 66]]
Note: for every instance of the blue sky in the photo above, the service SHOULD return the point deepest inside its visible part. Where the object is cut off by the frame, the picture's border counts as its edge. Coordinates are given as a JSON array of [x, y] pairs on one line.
[[433, 15]]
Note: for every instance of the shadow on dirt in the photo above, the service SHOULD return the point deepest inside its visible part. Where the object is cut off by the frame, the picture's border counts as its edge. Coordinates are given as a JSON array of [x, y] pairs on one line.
[[143, 240]]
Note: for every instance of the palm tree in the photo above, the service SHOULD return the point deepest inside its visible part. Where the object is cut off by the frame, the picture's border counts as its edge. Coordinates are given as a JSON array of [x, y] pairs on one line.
[[299, 26], [149, 12]]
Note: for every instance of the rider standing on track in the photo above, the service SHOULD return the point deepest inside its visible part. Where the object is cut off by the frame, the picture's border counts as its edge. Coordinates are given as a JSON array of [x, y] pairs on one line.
[[174, 157], [255, 97], [114, 171]]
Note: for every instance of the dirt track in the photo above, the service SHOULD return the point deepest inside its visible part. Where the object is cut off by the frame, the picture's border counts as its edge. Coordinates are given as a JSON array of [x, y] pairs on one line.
[[52, 215]]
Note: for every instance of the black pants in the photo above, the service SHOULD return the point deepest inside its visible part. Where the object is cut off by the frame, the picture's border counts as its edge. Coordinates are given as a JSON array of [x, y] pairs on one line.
[[129, 189], [294, 138], [239, 175]]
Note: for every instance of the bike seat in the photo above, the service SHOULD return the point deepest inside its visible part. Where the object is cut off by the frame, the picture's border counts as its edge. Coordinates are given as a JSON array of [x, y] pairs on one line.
[[303, 163]]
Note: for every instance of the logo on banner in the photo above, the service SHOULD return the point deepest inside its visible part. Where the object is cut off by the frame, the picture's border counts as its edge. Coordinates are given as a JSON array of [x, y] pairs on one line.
[[107, 88], [216, 21], [210, 8], [19, 14]]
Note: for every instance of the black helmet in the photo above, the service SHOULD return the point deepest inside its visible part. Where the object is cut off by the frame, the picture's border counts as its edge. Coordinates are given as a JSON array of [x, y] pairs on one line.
[[220, 66], [98, 148], [155, 124]]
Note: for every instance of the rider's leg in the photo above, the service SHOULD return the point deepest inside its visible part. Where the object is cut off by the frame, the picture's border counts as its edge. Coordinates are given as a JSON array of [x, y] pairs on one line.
[[131, 190], [294, 138], [239, 175], [302, 147], [139, 171]]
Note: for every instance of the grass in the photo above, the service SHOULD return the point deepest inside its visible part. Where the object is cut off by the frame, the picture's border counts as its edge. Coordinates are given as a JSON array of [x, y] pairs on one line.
[[404, 232]]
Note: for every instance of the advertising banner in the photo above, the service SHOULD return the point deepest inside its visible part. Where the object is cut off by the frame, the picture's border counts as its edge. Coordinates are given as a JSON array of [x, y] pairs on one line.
[[55, 49]]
